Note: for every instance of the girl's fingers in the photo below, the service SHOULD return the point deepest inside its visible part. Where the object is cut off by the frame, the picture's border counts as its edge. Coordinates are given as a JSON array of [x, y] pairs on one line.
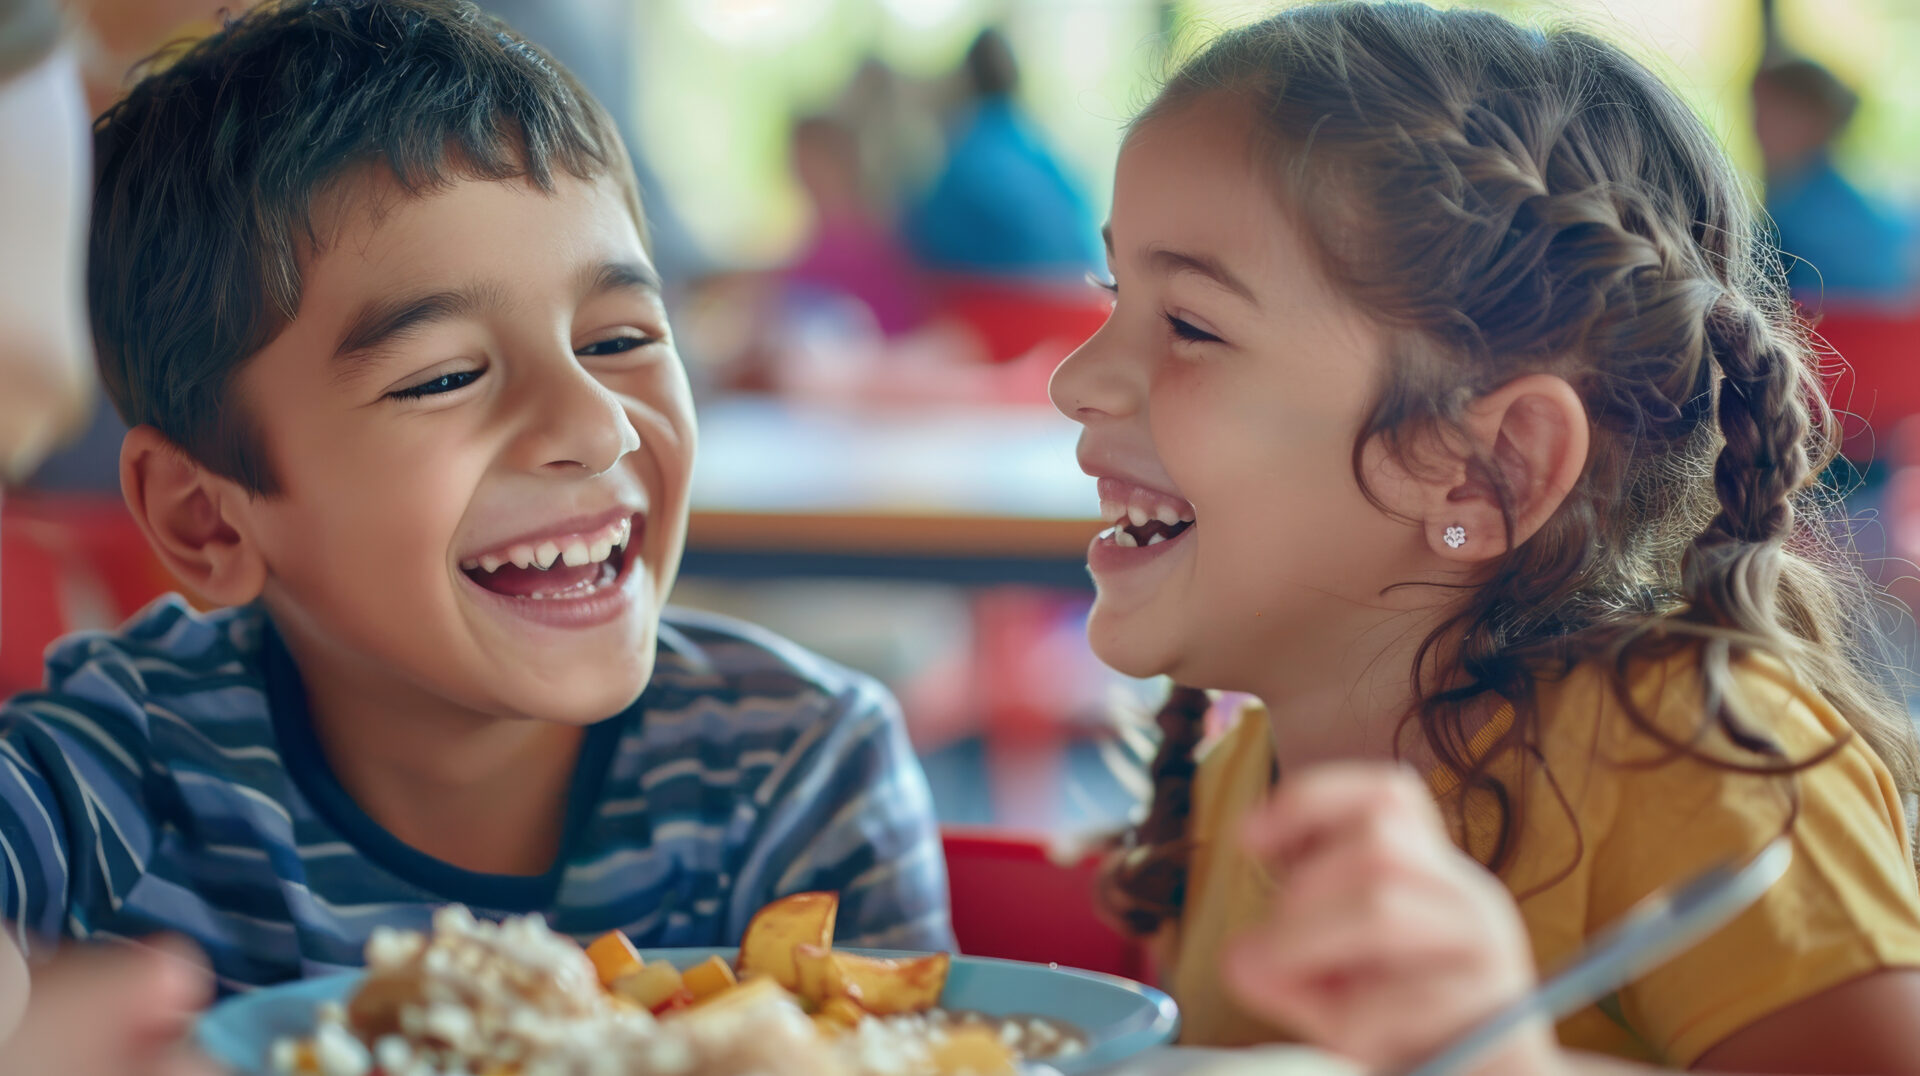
[[1385, 938], [111, 1011], [186, 1061], [1319, 805], [1405, 925]]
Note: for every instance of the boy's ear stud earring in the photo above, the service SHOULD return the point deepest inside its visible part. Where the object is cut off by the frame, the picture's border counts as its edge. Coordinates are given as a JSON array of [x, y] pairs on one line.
[[1455, 537]]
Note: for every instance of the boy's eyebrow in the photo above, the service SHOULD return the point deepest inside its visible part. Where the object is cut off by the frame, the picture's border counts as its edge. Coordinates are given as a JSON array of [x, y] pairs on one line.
[[1170, 262], [382, 320], [620, 276]]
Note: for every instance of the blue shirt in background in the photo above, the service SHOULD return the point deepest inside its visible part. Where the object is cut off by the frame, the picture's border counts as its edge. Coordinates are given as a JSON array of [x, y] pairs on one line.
[[168, 780], [1837, 243], [1003, 205]]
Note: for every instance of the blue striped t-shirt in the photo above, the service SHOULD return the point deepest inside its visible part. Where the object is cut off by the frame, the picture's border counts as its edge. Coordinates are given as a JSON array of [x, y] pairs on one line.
[[167, 779]]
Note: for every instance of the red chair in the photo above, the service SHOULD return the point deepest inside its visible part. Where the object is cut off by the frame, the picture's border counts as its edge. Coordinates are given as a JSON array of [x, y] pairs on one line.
[[1876, 379], [1016, 319], [67, 563], [1013, 900]]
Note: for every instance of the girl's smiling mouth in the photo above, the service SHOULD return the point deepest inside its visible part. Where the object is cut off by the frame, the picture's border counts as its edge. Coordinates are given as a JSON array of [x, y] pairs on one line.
[[1142, 522]]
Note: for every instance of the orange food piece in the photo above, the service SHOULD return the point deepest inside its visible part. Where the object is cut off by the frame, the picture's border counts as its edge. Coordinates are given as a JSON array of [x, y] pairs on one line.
[[844, 1011], [887, 986], [747, 993], [651, 985], [972, 1049], [614, 957], [813, 974], [708, 978], [680, 999], [779, 928]]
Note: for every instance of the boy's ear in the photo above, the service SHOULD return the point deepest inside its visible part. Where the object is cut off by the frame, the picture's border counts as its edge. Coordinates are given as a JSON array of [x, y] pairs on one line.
[[1526, 445], [194, 519]]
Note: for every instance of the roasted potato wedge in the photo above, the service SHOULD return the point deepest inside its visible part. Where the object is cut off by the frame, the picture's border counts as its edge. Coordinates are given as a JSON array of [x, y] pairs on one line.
[[779, 928]]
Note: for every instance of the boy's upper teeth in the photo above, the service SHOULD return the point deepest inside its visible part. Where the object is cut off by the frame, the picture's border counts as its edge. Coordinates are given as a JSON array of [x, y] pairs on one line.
[[578, 550]]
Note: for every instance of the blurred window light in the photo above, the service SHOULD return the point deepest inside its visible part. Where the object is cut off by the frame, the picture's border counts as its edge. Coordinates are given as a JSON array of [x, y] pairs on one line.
[[922, 14], [756, 22]]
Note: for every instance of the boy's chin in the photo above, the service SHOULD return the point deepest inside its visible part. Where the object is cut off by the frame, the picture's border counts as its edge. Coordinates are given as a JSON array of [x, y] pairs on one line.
[[579, 694]]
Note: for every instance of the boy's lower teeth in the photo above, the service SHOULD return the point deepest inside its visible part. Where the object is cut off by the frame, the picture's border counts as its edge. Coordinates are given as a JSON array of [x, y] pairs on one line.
[[558, 583], [577, 590]]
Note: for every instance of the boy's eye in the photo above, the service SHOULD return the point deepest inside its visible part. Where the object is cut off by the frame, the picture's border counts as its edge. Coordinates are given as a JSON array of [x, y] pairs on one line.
[[1185, 331], [459, 379], [616, 345]]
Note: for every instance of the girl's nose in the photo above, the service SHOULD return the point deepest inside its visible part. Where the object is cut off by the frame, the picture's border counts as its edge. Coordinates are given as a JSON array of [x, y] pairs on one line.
[[1095, 381]]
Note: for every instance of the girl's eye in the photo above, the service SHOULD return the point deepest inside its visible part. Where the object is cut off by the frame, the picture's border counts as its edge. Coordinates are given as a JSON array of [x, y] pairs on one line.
[[616, 345], [445, 383], [1186, 331], [1111, 287]]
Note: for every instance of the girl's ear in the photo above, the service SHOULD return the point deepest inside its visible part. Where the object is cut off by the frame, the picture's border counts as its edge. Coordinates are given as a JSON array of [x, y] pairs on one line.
[[1526, 445]]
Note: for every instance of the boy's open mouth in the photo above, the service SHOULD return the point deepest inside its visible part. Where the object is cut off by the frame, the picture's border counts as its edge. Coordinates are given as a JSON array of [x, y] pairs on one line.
[[578, 566]]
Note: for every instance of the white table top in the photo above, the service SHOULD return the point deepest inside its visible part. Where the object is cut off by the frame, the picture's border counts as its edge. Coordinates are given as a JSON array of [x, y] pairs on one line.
[[1010, 461]]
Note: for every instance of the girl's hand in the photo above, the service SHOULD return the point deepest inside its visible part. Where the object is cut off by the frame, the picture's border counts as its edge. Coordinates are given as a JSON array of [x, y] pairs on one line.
[[108, 1011], [1385, 940]]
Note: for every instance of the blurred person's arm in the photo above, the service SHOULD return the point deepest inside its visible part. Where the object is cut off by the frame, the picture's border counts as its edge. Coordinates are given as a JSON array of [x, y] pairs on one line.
[[45, 381]]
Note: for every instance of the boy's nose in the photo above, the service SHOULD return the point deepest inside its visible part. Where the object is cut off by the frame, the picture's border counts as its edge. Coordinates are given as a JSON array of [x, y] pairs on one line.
[[580, 426], [1093, 382]]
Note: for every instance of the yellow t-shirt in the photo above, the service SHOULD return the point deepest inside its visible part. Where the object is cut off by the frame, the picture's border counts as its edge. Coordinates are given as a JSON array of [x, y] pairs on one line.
[[1641, 819]]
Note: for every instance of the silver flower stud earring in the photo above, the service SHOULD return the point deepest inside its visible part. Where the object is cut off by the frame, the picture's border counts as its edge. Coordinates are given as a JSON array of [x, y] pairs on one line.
[[1455, 537]]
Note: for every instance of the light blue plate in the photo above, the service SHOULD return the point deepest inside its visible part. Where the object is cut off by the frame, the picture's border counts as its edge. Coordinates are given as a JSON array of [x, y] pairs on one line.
[[1119, 1017]]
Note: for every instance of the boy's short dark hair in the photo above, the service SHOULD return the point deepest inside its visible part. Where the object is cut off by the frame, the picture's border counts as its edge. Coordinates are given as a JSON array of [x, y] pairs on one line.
[[209, 169]]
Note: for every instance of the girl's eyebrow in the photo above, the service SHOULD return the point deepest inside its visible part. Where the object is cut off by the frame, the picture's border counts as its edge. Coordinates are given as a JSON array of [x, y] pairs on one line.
[[1170, 262]]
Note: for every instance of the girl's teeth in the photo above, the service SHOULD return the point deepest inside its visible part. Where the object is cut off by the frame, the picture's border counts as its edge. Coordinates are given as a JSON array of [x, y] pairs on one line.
[[1137, 515], [601, 550], [1125, 539], [1156, 539], [1167, 514], [545, 555], [469, 565], [491, 563], [521, 556], [575, 555], [1111, 511], [626, 533]]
